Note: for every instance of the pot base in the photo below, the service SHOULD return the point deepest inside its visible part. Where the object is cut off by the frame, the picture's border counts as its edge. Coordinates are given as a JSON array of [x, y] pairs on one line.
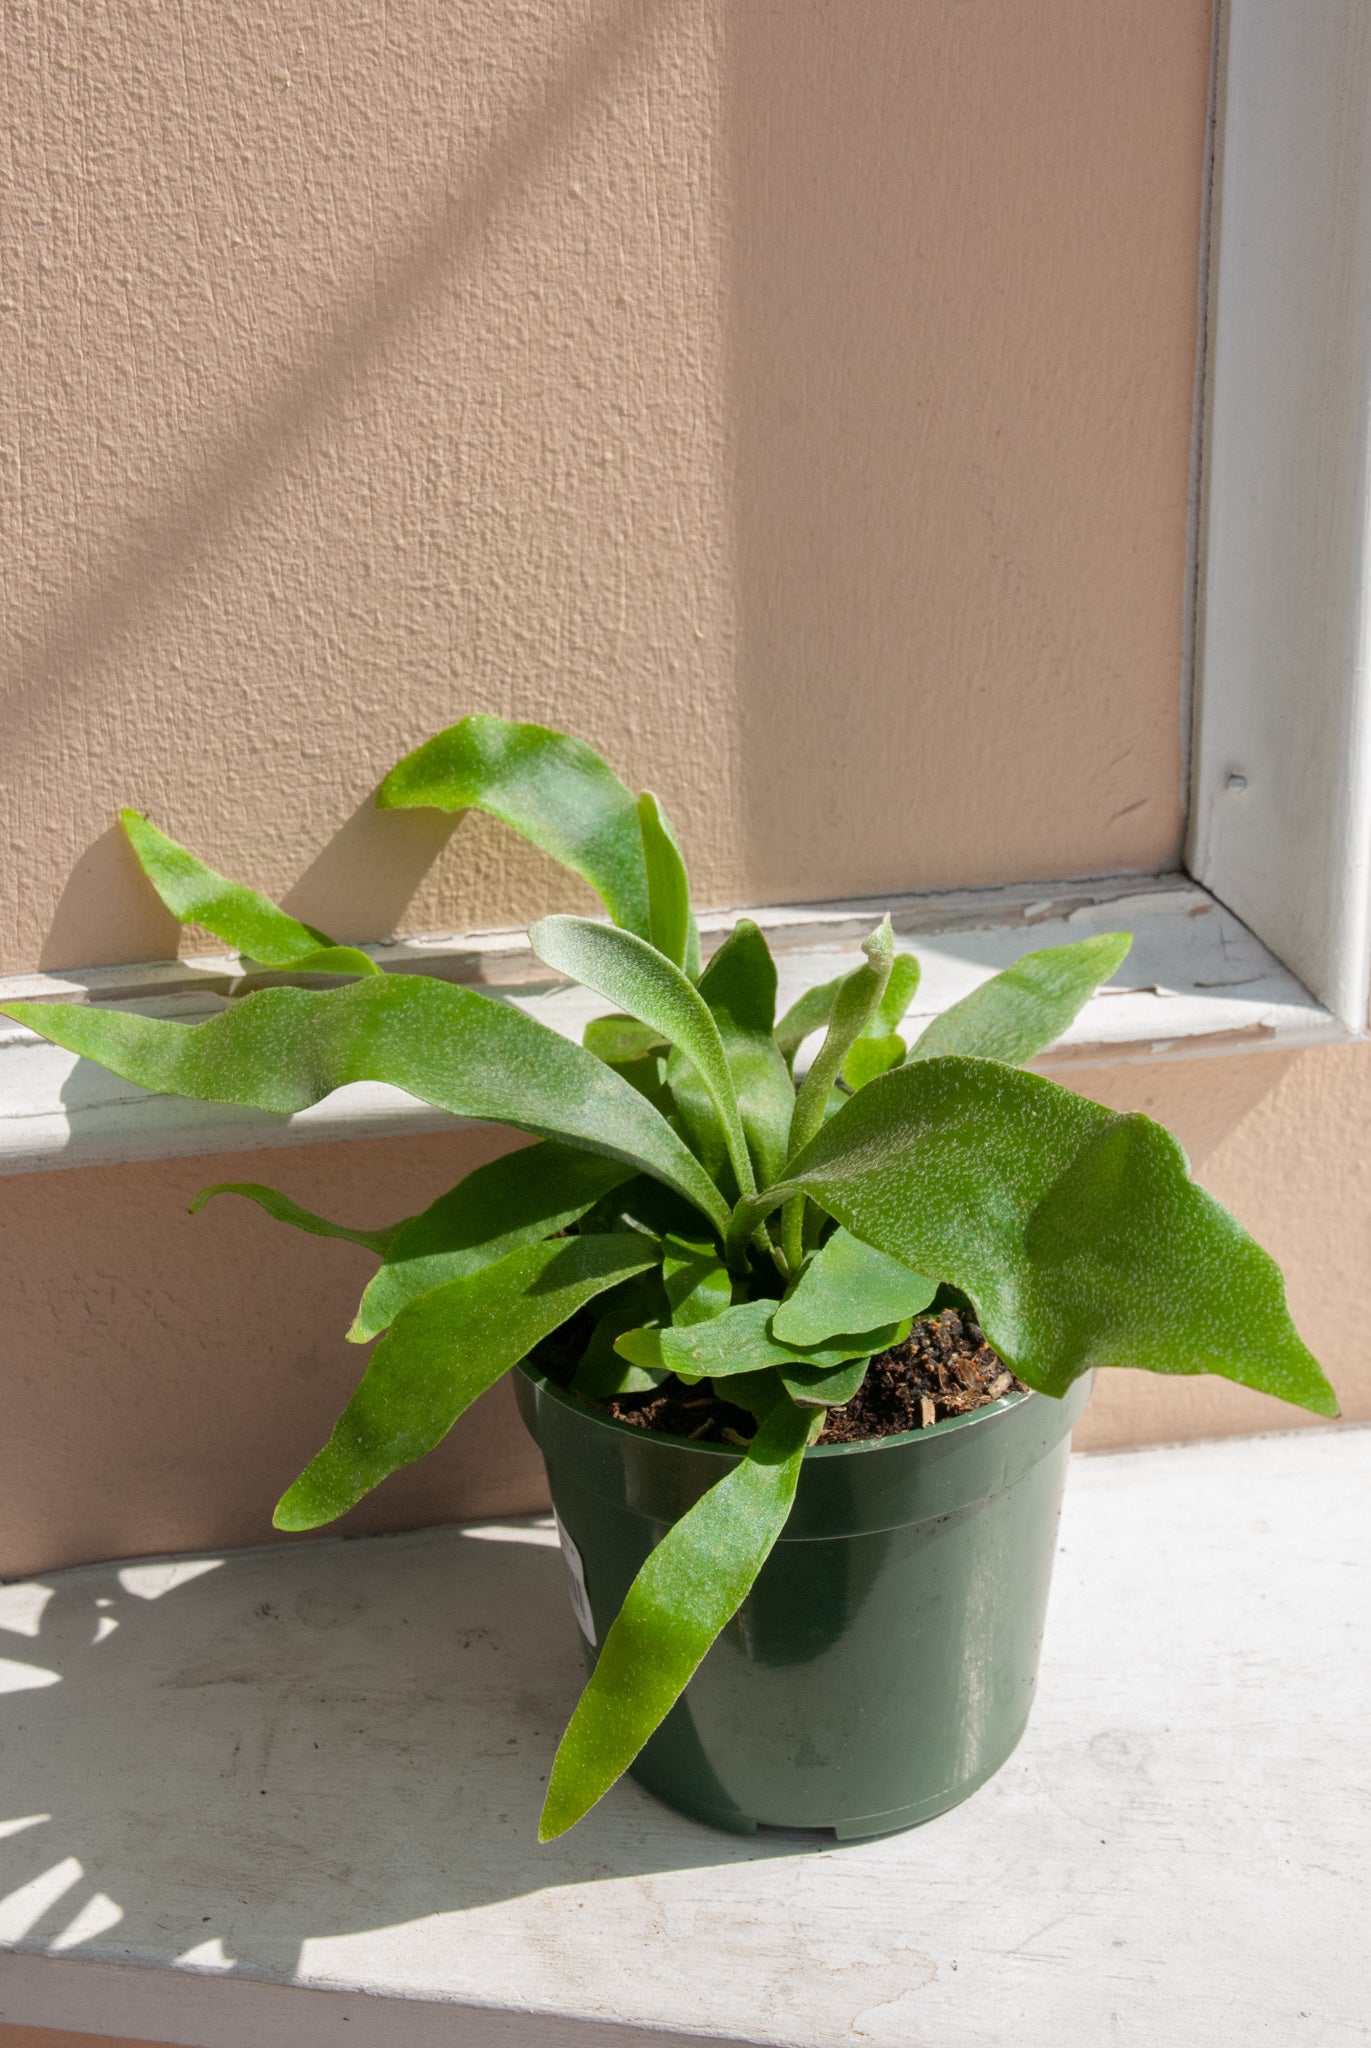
[[862, 1829], [883, 1665]]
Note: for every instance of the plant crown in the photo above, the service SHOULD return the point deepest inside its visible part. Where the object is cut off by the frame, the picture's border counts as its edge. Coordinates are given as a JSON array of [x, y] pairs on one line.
[[715, 1217]]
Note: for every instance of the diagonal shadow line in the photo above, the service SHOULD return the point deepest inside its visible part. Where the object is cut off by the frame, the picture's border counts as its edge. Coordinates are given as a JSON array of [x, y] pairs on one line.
[[191, 515]]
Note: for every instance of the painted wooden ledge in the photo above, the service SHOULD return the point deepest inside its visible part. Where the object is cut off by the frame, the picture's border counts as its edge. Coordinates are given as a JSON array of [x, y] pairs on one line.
[[287, 1796], [1197, 981]]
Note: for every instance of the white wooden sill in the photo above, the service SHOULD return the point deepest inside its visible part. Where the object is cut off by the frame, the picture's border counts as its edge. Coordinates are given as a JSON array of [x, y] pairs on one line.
[[288, 1797], [1197, 981]]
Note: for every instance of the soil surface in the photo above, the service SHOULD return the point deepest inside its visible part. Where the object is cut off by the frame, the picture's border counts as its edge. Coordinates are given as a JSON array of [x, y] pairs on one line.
[[944, 1367]]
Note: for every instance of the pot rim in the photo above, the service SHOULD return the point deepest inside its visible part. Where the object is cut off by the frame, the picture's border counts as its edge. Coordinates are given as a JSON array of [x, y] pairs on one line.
[[579, 1404]]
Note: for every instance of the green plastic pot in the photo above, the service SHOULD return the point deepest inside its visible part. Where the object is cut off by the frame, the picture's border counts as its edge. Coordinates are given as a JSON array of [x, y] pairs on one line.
[[884, 1664]]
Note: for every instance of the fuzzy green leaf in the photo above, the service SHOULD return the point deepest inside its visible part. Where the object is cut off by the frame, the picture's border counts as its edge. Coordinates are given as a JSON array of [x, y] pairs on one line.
[[760, 1391], [284, 1048], [444, 1350], [642, 1347], [694, 1115], [845, 1285], [250, 923], [742, 1340], [815, 1007], [602, 1370], [648, 1077], [690, 1587], [854, 1006], [872, 1056], [628, 971], [698, 1286], [644, 1205], [619, 1040], [554, 790], [285, 1211], [1016, 1015], [1075, 1230], [739, 987], [897, 996], [823, 1387], [810, 1013], [515, 1200], [880, 1046], [668, 890]]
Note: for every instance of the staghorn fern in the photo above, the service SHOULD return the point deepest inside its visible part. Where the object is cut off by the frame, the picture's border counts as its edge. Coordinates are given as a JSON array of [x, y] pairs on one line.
[[732, 1224]]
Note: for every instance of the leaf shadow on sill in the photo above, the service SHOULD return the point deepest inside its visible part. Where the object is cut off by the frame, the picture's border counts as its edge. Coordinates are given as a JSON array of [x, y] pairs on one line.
[[268, 1754]]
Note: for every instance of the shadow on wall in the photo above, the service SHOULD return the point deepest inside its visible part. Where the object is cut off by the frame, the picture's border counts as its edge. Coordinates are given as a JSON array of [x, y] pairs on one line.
[[232, 1771], [107, 890], [1204, 1101], [373, 864], [182, 529], [931, 346], [227, 1329]]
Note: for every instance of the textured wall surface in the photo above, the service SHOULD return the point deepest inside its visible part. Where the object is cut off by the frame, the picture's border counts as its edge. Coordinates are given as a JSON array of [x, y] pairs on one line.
[[792, 396], [1285, 1140], [168, 1375], [794, 399]]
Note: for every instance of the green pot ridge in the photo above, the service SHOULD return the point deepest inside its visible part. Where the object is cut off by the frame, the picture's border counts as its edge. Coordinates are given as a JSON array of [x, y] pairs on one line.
[[884, 1664]]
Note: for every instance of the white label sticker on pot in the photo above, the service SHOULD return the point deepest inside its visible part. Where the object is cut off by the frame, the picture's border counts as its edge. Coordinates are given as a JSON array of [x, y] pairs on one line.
[[576, 1573]]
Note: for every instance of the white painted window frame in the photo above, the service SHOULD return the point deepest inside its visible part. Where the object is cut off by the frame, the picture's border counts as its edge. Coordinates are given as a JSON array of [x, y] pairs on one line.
[[1280, 809], [1266, 942], [1195, 982]]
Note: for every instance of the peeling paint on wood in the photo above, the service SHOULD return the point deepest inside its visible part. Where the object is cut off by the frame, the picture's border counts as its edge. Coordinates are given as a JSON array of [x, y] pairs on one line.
[[1197, 981]]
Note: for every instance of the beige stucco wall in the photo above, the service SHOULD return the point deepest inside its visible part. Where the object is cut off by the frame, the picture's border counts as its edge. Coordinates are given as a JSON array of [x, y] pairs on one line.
[[168, 1376], [797, 400], [794, 399]]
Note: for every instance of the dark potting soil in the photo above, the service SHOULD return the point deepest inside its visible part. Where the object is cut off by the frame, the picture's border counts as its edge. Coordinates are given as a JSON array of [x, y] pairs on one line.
[[944, 1367]]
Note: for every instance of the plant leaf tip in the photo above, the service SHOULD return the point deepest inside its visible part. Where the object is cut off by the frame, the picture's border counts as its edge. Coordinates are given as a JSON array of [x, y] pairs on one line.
[[290, 1519], [557, 1820], [878, 945]]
